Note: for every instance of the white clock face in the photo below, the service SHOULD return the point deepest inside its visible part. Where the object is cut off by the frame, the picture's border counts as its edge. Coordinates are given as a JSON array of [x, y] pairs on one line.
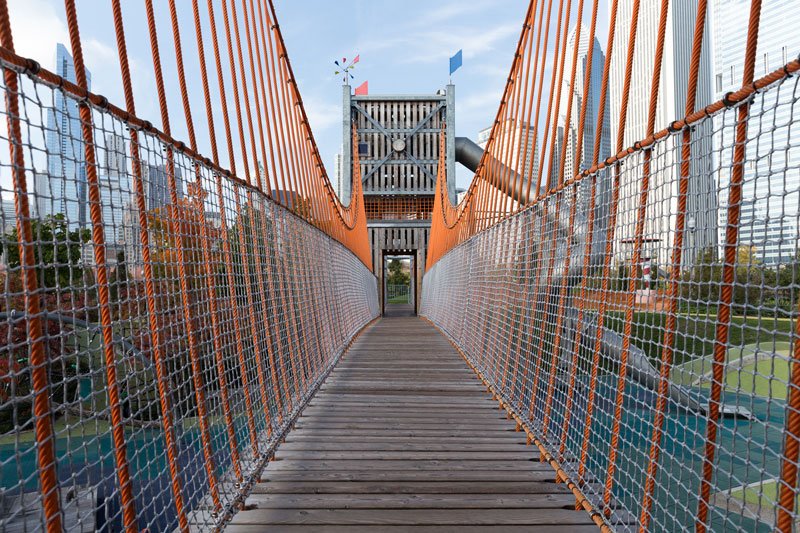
[[398, 145]]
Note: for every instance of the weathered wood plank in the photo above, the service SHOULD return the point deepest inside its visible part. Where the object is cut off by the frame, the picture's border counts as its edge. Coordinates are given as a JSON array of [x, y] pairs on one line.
[[541, 475], [437, 486], [380, 517], [411, 501], [402, 436], [535, 528]]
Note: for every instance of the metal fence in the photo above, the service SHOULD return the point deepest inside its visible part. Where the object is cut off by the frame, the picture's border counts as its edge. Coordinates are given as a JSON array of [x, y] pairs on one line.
[[163, 321], [653, 361], [397, 294]]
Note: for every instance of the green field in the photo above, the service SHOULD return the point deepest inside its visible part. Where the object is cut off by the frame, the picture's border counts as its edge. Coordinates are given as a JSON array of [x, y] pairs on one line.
[[695, 334]]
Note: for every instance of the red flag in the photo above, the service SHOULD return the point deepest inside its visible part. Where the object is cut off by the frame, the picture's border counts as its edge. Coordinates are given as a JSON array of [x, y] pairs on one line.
[[356, 59], [363, 89]]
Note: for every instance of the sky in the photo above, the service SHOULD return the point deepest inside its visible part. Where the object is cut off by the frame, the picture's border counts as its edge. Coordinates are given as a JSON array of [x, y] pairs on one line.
[[404, 48]]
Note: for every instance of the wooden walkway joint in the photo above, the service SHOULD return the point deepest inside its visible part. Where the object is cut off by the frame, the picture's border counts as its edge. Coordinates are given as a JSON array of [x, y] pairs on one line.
[[403, 436]]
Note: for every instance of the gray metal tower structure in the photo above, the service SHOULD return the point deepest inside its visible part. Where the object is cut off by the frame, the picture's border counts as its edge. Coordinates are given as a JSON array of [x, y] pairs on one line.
[[398, 140]]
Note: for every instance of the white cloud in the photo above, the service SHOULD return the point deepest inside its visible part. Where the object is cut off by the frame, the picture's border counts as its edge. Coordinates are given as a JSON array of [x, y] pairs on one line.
[[37, 26], [322, 114]]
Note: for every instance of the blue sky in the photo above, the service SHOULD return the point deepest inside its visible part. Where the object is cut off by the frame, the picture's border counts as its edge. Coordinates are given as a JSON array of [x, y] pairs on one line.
[[404, 48]]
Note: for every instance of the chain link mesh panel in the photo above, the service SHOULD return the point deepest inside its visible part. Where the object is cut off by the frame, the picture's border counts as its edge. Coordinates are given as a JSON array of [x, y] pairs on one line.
[[656, 397], [225, 312]]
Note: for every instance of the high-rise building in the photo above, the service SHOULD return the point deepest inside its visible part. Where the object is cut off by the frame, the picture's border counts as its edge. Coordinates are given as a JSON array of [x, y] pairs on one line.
[[671, 105], [572, 165], [520, 136], [567, 135], [63, 188], [157, 185], [768, 218], [114, 183]]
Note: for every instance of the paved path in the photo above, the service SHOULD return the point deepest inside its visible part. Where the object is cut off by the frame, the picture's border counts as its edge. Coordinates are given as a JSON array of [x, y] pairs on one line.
[[402, 436]]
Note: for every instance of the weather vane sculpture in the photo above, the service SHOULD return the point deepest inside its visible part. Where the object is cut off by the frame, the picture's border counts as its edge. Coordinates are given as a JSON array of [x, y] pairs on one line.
[[345, 68]]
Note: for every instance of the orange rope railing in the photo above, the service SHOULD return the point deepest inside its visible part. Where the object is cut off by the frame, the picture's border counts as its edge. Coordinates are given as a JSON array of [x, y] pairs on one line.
[[175, 318], [636, 379]]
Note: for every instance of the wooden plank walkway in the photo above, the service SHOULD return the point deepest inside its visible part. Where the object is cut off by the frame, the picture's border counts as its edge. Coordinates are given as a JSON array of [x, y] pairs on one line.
[[403, 436]]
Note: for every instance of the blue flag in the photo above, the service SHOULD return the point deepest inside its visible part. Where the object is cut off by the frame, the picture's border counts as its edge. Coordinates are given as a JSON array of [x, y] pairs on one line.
[[455, 62]]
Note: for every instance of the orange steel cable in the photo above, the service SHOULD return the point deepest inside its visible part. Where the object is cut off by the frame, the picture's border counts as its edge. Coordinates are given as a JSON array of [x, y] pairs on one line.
[[787, 491], [728, 272], [267, 280], [99, 242], [235, 92], [590, 224], [250, 19], [40, 381], [607, 257], [555, 94], [573, 206], [538, 86], [232, 300], [251, 307], [262, 181], [677, 256], [194, 358], [275, 104], [144, 235], [527, 105], [204, 237], [639, 230], [541, 87], [562, 297], [586, 79]]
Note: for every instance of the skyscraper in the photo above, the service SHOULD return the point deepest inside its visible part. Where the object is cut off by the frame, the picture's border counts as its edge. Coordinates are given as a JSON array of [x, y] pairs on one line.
[[574, 162], [769, 212], [520, 135], [157, 185], [571, 165], [115, 191], [63, 188], [671, 105]]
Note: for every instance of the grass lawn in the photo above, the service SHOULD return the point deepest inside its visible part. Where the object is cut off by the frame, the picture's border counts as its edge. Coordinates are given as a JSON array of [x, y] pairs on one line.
[[695, 334], [755, 378], [764, 494]]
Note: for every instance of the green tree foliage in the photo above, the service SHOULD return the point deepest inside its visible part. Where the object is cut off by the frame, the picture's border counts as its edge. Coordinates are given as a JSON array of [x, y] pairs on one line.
[[57, 251], [396, 275], [754, 282]]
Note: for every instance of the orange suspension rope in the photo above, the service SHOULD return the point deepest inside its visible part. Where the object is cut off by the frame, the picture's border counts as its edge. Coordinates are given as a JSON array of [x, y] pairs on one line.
[[677, 253], [194, 357], [728, 271], [152, 308], [99, 241], [40, 380]]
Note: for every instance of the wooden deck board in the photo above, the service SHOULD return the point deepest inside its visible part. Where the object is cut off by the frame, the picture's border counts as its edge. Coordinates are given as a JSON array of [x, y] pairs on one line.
[[403, 436]]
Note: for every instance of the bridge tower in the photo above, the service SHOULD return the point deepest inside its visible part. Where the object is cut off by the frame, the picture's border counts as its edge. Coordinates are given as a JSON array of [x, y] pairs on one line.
[[398, 149]]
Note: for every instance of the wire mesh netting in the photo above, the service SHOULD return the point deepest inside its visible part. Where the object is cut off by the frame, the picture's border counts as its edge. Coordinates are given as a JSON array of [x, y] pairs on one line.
[[224, 311], [652, 359]]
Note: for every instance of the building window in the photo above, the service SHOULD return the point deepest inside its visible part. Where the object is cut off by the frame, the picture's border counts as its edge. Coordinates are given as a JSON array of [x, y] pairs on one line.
[[719, 83]]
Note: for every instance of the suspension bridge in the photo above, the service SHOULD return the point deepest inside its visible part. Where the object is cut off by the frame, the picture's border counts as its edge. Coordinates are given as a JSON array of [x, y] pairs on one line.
[[197, 334]]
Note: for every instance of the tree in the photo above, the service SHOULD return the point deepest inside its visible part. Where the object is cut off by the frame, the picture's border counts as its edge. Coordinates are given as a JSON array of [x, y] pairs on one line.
[[57, 252], [396, 275], [187, 217]]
